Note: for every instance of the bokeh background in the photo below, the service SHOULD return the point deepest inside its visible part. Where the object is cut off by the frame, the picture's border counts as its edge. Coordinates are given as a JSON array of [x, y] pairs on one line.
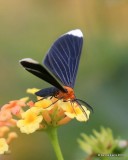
[[29, 27]]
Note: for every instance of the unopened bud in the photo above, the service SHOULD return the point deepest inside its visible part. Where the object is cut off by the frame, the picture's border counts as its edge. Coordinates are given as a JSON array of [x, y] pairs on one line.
[[11, 136]]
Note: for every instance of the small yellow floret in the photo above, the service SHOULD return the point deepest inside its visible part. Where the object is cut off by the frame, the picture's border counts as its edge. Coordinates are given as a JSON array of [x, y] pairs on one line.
[[44, 104], [3, 146], [32, 90], [74, 111], [30, 121]]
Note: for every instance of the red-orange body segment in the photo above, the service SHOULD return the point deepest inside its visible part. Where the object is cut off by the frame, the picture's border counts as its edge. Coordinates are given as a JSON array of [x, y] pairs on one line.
[[69, 95]]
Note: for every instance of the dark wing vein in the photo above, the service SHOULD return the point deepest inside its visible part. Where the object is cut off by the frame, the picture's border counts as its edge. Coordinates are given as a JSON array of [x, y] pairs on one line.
[[76, 64], [57, 68], [68, 61], [65, 64]]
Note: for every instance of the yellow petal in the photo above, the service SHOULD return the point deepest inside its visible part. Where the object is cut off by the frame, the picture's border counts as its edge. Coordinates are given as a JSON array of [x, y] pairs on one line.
[[32, 90], [3, 146], [44, 104]]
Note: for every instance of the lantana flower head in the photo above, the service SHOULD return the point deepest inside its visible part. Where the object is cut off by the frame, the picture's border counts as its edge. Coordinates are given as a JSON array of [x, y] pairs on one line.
[[102, 142], [30, 116], [50, 111], [8, 118]]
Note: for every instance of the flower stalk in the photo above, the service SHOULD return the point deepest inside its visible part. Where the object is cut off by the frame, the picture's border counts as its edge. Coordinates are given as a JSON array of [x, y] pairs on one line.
[[52, 133]]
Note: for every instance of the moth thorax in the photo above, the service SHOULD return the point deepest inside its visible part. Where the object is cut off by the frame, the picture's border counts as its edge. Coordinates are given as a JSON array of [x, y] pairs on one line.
[[69, 95]]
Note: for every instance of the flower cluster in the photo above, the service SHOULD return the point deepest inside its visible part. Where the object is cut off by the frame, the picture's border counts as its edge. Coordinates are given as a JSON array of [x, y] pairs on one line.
[[102, 142], [31, 116], [49, 112], [7, 120]]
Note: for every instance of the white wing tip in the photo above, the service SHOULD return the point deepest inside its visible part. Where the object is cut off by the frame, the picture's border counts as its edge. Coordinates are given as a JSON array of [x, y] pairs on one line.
[[76, 32], [30, 60]]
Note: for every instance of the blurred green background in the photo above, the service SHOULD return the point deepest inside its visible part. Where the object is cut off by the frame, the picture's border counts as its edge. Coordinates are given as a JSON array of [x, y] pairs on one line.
[[29, 27]]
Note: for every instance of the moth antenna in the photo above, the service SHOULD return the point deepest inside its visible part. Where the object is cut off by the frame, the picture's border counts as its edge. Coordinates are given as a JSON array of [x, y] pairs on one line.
[[73, 107], [54, 102], [42, 99], [85, 103], [81, 108]]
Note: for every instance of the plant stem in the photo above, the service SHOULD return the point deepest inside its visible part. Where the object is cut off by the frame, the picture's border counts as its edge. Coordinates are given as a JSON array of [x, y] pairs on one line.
[[52, 132]]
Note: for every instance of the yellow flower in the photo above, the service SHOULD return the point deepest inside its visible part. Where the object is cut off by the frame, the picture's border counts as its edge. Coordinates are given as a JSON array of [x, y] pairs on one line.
[[56, 112], [3, 146], [32, 90], [30, 121], [45, 103], [73, 110]]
